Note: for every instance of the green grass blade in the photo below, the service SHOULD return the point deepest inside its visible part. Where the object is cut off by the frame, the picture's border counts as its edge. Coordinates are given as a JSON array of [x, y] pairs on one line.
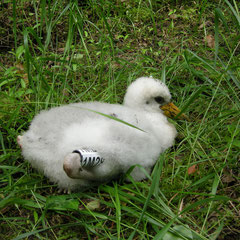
[[202, 202], [216, 19], [2, 143], [118, 211], [213, 192], [220, 16], [156, 176], [191, 100], [203, 61], [15, 24], [235, 13], [79, 21], [164, 230], [108, 28], [28, 58], [113, 118]]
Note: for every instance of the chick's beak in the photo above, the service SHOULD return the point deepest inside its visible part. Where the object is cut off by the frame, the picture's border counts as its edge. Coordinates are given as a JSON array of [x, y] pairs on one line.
[[171, 111]]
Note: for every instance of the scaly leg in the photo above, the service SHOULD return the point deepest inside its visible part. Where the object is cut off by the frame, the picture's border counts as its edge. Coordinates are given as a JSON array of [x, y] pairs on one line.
[[19, 138], [72, 167]]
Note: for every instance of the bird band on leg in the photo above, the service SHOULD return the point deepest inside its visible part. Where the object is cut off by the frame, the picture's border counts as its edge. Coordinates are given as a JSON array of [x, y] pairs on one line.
[[89, 158]]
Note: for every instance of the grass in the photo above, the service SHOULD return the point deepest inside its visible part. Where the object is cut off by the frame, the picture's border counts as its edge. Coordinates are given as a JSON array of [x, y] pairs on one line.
[[57, 52]]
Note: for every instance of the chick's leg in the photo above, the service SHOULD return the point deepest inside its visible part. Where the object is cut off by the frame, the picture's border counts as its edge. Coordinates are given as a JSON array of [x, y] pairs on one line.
[[72, 167]]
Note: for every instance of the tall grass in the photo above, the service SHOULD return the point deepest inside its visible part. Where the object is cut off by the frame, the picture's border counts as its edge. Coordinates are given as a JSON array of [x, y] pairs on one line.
[[86, 51]]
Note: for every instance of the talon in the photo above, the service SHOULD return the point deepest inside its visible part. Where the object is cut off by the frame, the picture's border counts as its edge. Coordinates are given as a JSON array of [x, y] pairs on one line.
[[65, 191], [60, 190]]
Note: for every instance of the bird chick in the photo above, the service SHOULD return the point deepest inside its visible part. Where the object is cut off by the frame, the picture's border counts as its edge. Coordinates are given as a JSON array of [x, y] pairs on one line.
[[56, 137]]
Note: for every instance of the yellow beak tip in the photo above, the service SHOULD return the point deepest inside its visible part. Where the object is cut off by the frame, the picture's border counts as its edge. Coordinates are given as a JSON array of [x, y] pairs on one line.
[[171, 111]]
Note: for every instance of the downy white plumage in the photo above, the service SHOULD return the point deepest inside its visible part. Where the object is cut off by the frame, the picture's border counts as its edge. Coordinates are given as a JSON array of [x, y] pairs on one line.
[[54, 134]]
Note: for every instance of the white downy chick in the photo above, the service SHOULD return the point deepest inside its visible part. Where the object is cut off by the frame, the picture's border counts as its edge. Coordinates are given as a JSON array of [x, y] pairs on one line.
[[54, 134]]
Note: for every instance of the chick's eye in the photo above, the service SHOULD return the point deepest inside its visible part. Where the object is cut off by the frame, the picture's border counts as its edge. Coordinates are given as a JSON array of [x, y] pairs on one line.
[[159, 100]]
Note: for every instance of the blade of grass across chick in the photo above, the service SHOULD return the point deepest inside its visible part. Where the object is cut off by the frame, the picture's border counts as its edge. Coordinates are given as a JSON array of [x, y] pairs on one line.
[[171, 111]]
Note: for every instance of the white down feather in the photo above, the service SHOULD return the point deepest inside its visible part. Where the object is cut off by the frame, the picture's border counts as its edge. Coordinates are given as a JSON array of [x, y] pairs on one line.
[[55, 133]]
